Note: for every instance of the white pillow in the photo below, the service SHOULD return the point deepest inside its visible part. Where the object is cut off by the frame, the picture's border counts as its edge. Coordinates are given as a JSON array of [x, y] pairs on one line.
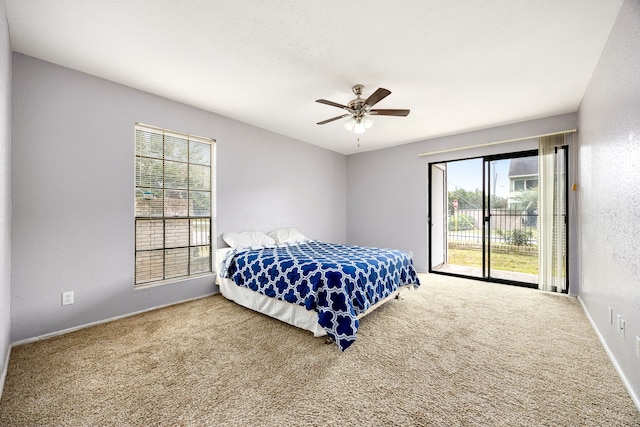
[[287, 235], [247, 239]]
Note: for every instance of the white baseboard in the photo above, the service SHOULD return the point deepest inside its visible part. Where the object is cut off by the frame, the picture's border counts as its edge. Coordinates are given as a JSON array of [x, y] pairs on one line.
[[5, 369], [634, 396]]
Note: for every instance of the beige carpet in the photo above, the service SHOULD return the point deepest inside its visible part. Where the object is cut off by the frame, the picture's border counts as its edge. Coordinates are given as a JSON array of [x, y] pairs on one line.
[[454, 353]]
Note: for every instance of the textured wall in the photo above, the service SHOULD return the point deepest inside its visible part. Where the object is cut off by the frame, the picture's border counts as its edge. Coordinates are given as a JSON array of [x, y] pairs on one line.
[[5, 191], [73, 177], [609, 194]]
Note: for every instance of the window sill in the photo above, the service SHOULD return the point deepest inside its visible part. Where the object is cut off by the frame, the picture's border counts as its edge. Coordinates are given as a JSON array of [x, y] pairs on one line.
[[173, 281]]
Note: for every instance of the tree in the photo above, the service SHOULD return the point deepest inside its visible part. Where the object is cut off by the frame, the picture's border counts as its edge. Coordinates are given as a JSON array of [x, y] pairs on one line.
[[466, 199], [473, 199]]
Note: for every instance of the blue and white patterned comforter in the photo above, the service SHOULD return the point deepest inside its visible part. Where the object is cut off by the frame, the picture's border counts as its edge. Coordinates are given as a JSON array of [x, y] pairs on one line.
[[338, 281]]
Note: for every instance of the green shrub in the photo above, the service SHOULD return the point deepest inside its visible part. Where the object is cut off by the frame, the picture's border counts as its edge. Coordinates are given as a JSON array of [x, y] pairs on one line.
[[516, 237]]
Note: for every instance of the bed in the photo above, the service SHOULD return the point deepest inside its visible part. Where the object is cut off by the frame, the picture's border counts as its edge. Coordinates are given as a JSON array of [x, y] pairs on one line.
[[322, 287]]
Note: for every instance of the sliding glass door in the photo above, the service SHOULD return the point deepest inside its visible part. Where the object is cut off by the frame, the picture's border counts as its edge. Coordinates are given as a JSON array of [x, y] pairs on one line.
[[484, 218], [511, 218]]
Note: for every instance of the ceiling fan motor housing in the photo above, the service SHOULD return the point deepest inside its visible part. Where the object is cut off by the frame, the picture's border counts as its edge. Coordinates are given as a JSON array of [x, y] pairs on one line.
[[358, 104]]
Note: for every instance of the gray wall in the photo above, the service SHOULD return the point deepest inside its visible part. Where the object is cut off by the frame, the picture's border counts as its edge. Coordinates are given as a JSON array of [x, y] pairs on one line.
[[72, 186], [388, 189], [609, 195], [5, 192]]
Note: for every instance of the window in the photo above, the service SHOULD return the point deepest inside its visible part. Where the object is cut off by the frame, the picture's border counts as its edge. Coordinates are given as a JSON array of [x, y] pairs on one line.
[[518, 185], [525, 184], [173, 199]]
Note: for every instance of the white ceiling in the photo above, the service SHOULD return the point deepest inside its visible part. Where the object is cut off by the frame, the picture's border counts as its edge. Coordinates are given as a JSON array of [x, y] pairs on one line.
[[459, 65]]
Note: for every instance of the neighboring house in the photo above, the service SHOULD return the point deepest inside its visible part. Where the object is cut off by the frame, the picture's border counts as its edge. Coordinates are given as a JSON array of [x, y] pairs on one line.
[[523, 183]]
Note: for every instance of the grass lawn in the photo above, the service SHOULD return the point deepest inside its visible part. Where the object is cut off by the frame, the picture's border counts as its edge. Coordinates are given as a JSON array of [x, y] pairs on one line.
[[499, 261]]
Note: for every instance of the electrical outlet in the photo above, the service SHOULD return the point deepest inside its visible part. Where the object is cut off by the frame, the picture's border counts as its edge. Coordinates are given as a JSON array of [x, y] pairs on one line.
[[621, 327], [67, 298], [637, 347]]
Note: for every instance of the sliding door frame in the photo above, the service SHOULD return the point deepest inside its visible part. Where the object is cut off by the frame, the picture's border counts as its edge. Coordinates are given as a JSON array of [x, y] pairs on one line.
[[486, 182]]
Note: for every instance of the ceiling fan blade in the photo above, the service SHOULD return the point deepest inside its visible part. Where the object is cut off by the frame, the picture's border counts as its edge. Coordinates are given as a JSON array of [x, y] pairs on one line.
[[402, 113], [377, 96], [333, 104], [333, 118]]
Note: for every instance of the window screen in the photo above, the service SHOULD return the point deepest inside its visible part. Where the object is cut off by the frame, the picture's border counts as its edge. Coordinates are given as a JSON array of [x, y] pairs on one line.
[[173, 200]]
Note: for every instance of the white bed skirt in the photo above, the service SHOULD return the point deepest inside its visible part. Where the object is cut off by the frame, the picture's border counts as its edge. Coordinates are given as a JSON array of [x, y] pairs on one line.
[[287, 312], [292, 314]]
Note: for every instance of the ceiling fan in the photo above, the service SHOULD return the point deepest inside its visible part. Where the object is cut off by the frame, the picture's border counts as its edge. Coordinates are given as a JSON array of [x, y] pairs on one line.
[[359, 110]]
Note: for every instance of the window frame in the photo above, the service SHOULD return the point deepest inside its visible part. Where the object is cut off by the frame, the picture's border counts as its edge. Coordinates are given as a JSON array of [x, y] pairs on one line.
[[183, 212]]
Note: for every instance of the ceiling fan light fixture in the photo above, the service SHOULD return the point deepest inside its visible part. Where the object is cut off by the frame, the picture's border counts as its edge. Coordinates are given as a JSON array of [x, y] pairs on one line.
[[350, 123], [358, 125], [367, 121]]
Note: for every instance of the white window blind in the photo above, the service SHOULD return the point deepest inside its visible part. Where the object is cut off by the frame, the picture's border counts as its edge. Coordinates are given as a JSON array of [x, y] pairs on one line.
[[173, 199]]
